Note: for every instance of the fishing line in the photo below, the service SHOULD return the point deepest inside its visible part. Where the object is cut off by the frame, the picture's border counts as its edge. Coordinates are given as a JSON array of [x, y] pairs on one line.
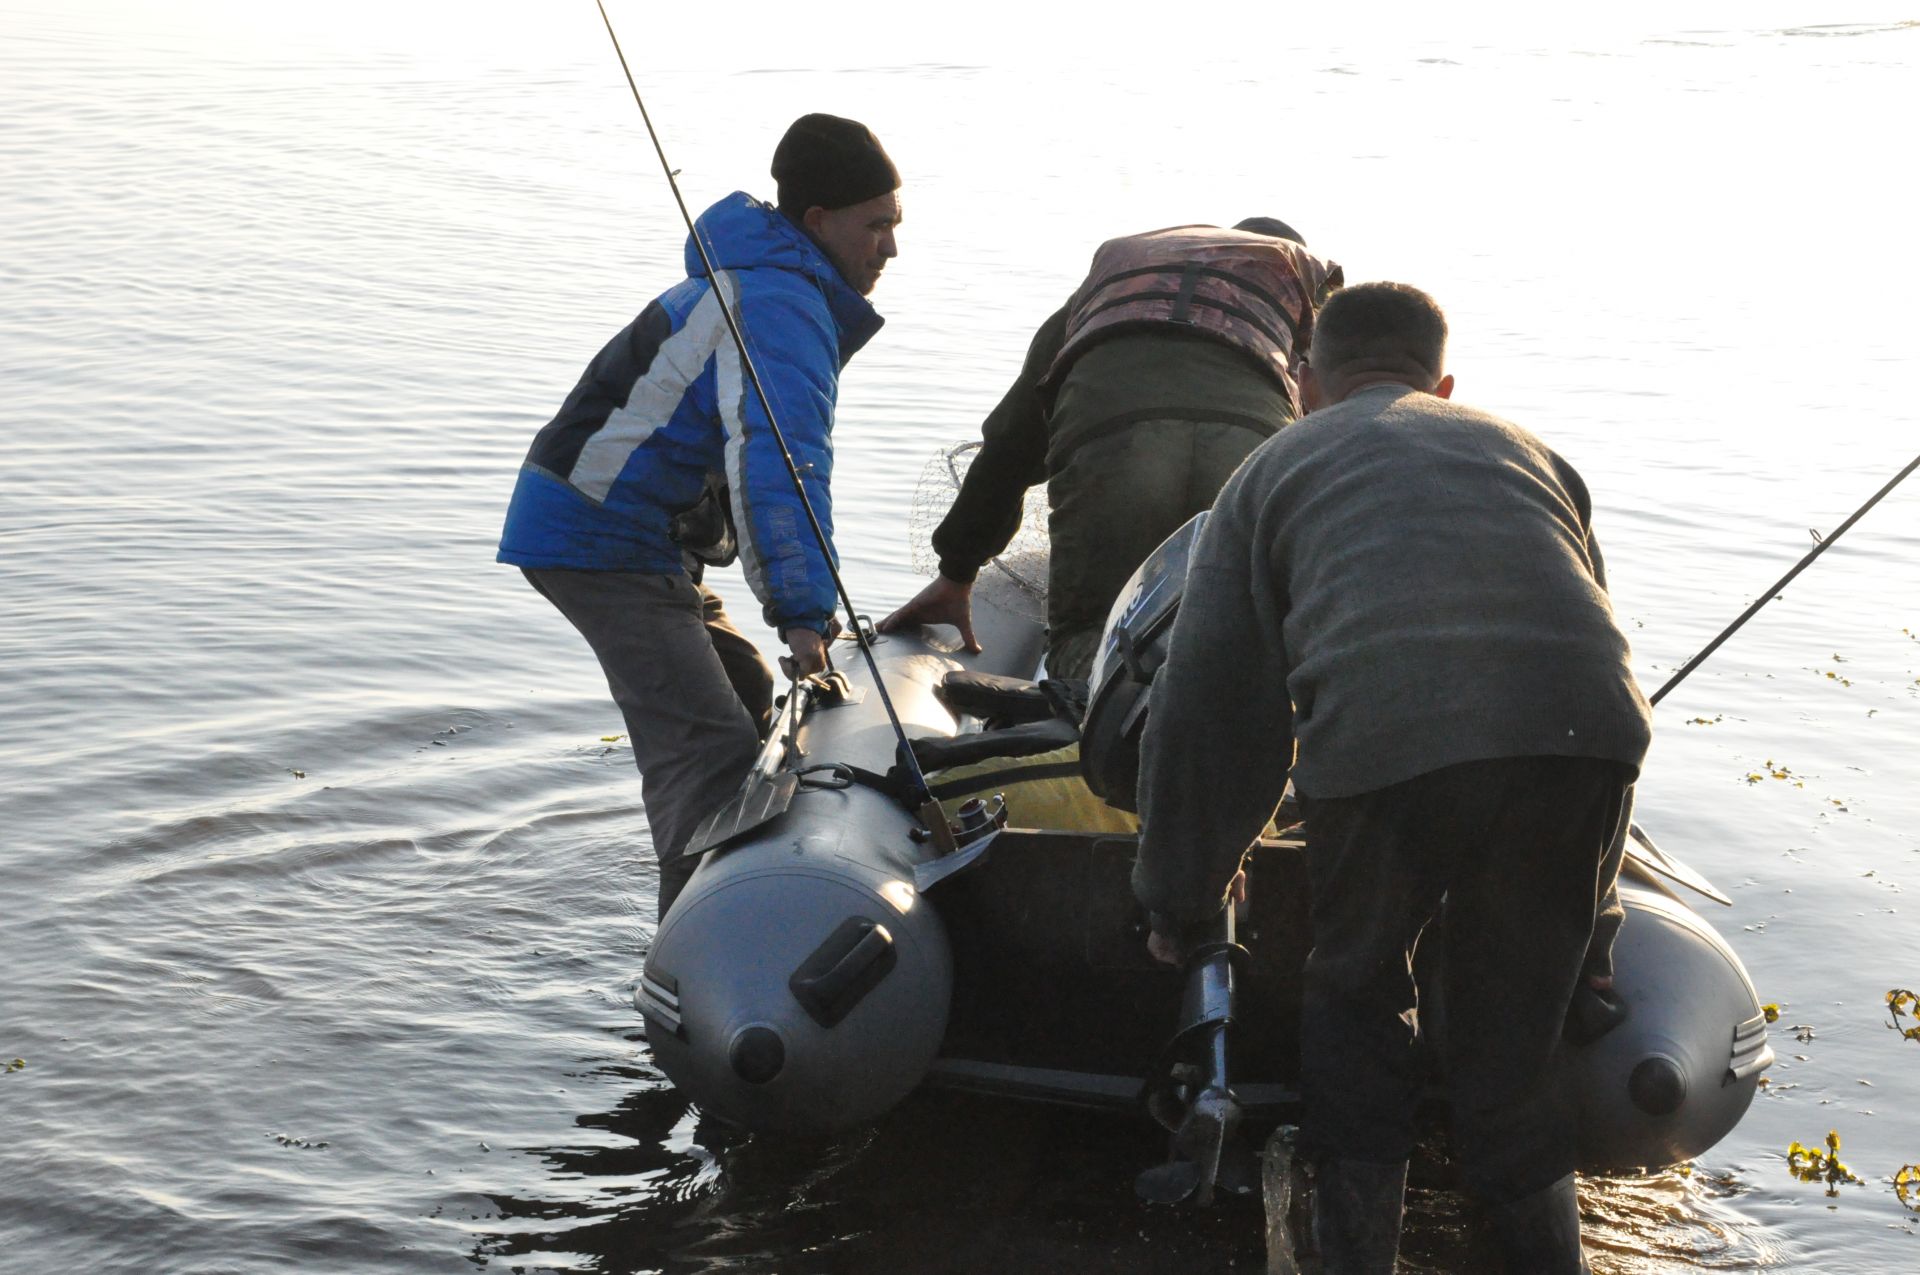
[[1780, 584], [860, 637]]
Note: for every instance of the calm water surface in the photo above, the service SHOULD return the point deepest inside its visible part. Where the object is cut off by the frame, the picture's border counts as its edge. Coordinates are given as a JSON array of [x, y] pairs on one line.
[[323, 890]]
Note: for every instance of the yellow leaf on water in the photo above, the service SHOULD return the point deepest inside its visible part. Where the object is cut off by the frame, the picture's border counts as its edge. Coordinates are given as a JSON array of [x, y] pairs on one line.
[[1906, 1185]]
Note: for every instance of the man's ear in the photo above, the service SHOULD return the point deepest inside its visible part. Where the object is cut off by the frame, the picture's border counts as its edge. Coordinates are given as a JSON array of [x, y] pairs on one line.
[[1444, 389], [811, 219], [1312, 396]]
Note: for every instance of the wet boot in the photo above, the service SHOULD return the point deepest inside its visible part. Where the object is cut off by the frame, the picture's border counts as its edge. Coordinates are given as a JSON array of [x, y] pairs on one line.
[[1538, 1234], [1593, 1013], [1356, 1215]]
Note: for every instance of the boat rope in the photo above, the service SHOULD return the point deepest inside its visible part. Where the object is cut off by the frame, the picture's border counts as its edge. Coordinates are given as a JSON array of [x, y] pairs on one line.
[[1821, 545], [860, 634]]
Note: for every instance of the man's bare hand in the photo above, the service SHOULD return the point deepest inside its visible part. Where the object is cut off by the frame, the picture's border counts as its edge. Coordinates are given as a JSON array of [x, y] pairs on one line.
[[1164, 948], [809, 653], [1167, 949], [943, 601]]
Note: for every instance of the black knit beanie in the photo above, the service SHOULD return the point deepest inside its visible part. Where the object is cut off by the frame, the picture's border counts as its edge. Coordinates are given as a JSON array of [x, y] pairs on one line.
[[830, 162], [1271, 226]]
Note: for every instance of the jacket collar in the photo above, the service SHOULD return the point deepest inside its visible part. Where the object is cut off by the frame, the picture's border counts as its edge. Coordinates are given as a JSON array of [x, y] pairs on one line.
[[744, 233]]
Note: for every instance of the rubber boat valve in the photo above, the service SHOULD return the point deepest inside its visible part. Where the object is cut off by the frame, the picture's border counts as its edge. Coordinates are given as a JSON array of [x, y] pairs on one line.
[[1658, 1085], [757, 1054], [1190, 1091]]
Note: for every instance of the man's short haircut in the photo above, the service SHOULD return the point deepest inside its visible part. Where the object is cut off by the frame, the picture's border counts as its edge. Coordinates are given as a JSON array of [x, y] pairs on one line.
[[1379, 327], [1271, 226]]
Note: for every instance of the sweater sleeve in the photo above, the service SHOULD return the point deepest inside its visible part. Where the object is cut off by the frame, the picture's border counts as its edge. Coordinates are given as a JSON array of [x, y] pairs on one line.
[[1219, 735], [1012, 458]]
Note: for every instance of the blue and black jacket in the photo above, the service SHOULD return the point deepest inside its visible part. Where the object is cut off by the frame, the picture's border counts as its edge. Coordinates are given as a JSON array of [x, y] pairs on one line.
[[665, 404]]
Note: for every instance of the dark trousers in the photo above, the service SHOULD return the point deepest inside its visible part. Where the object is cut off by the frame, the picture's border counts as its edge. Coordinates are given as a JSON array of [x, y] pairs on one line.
[[1113, 501], [1513, 855], [696, 695]]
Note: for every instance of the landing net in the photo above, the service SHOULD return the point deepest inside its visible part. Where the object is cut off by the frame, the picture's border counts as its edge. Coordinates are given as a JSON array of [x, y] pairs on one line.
[[1017, 579]]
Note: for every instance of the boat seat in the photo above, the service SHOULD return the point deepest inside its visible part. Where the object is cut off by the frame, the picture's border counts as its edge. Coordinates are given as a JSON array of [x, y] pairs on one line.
[[938, 752], [1000, 701]]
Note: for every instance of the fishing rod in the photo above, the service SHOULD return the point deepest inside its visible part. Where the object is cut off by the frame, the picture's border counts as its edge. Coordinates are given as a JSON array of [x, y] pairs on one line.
[[1822, 545], [921, 792]]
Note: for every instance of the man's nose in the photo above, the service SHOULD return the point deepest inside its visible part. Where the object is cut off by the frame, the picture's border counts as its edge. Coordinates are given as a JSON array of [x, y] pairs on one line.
[[888, 248]]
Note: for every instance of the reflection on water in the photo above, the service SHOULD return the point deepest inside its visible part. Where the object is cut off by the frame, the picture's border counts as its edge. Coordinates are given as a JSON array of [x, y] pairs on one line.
[[1030, 1189], [326, 887]]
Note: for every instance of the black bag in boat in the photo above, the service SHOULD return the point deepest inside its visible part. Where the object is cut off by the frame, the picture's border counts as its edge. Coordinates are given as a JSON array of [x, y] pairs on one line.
[[1002, 701], [1131, 652]]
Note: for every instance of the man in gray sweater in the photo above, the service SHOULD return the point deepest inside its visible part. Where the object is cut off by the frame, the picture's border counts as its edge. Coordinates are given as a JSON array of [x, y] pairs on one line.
[[1411, 590]]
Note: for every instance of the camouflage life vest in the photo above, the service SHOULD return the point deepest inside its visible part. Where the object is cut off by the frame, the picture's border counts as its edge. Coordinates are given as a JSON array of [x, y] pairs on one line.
[[1254, 292]]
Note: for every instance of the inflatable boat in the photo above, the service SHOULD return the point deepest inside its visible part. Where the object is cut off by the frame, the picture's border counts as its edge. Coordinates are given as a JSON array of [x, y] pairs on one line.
[[840, 944]]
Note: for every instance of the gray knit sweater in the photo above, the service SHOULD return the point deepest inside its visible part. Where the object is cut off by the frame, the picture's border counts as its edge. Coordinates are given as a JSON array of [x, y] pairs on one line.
[[1400, 584]]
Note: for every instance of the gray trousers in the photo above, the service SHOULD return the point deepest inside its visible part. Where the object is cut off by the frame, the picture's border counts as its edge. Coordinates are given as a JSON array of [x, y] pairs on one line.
[[696, 694]]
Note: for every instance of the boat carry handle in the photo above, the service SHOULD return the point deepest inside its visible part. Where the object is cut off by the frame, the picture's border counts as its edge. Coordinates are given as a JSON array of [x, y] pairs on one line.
[[841, 971]]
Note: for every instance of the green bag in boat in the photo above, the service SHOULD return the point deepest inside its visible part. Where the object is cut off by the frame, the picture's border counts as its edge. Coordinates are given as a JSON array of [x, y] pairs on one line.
[[1044, 790]]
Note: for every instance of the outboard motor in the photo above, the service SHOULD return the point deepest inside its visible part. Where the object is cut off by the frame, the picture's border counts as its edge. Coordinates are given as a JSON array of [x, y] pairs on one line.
[[1132, 649]]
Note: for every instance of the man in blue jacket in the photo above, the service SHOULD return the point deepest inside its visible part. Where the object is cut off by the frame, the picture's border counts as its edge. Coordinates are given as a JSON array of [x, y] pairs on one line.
[[662, 461]]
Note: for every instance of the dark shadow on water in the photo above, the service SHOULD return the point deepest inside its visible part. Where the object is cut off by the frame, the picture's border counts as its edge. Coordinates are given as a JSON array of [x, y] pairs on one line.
[[955, 1185], [947, 1183]]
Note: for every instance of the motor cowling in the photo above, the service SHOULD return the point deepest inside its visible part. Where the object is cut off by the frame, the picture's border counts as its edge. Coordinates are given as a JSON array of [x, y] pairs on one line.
[[1133, 646]]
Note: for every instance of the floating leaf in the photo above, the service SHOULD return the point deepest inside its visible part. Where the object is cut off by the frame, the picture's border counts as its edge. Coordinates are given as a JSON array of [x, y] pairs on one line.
[[304, 1144], [1820, 1166], [1772, 1010], [1906, 1185], [1904, 1006], [611, 739]]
